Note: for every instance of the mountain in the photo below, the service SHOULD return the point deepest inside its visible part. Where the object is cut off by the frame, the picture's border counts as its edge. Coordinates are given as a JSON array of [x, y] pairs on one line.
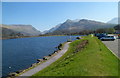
[[57, 26], [52, 29], [18, 30], [113, 21], [72, 26], [8, 32]]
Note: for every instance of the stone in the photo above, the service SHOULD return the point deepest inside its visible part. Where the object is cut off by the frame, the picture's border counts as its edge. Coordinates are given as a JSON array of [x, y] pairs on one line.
[[19, 71], [39, 60], [12, 74], [45, 58], [33, 64], [50, 55]]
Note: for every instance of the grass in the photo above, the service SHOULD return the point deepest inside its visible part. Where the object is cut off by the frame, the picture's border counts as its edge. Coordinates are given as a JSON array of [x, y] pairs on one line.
[[93, 60]]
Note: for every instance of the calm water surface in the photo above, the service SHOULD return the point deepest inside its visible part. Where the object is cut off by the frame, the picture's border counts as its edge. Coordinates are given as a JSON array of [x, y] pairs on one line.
[[20, 53]]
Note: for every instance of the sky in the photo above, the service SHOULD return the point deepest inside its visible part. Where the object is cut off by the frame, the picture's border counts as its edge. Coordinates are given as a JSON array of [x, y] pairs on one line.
[[45, 15]]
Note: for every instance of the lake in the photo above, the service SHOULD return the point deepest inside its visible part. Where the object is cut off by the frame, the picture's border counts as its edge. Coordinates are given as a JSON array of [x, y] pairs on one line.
[[20, 53]]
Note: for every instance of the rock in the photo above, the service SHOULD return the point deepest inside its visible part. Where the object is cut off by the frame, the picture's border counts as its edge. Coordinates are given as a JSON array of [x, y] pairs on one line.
[[45, 58], [19, 71], [33, 64], [39, 60], [55, 51], [50, 55], [12, 74], [59, 46], [78, 37]]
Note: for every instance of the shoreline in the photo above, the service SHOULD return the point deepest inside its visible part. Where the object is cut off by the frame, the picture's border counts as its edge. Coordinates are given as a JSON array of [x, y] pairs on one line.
[[1, 38], [29, 37], [39, 62]]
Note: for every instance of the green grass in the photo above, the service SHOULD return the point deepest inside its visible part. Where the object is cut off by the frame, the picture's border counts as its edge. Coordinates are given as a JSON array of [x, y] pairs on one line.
[[93, 60]]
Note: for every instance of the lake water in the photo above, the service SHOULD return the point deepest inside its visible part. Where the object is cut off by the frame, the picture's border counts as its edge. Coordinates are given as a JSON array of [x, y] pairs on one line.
[[20, 53]]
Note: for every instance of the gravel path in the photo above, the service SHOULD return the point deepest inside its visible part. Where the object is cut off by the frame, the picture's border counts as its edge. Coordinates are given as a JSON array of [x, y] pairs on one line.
[[45, 64], [113, 46]]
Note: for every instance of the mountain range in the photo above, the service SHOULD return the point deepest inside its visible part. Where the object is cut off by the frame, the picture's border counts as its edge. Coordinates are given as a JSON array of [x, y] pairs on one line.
[[73, 26], [69, 26]]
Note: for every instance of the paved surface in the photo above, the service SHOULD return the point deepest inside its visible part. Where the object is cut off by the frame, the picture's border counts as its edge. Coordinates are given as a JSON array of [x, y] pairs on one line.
[[47, 63], [113, 46]]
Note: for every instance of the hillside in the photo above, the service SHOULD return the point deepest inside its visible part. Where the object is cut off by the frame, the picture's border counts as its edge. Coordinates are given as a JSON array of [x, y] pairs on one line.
[[72, 26], [27, 30], [52, 29], [113, 21], [6, 33], [18, 30]]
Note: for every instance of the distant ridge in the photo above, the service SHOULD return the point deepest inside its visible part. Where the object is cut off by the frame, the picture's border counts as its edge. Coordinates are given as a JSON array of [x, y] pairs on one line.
[[24, 30], [72, 26], [113, 21]]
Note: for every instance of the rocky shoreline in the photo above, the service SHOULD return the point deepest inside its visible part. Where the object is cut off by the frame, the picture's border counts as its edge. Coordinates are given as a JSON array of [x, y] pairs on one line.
[[39, 61]]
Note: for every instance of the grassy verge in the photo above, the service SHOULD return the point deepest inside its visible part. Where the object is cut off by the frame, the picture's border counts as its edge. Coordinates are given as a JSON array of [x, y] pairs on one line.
[[93, 60]]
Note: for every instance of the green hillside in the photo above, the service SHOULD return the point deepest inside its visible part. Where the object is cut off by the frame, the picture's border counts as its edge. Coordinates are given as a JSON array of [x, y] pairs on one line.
[[92, 60]]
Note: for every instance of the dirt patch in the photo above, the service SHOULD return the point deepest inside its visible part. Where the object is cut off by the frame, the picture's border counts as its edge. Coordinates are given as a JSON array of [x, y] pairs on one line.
[[81, 45]]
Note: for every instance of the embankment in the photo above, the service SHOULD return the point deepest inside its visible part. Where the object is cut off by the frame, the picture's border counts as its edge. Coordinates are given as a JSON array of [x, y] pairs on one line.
[[85, 57]]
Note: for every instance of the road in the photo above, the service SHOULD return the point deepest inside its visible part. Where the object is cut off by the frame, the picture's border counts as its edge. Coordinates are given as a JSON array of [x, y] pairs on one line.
[[113, 46], [47, 63]]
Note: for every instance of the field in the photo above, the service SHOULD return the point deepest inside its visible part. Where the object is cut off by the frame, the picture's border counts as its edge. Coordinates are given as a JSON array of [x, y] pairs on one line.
[[93, 59]]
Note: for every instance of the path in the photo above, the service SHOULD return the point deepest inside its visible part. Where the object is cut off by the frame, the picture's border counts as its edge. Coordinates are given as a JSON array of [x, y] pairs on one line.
[[47, 63]]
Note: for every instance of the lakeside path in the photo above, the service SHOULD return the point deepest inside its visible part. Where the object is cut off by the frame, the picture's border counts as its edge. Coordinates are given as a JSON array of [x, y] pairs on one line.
[[47, 63]]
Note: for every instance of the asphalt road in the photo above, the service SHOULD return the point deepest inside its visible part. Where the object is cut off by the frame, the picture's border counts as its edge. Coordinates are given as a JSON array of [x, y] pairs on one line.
[[113, 46], [45, 64]]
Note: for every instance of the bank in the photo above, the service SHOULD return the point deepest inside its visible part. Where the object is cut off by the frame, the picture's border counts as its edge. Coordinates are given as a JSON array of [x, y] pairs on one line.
[[45, 61], [93, 59], [17, 37]]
